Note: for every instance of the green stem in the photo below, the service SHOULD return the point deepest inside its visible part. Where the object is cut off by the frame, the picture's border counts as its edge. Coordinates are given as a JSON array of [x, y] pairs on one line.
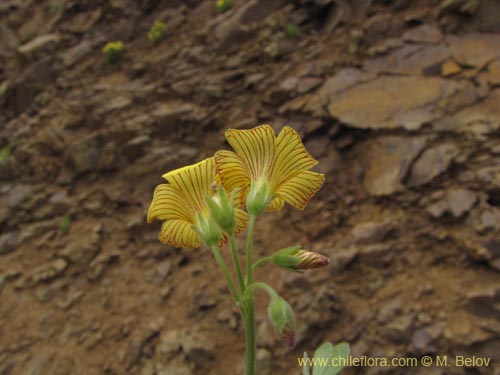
[[260, 262], [249, 303], [227, 276], [251, 223], [237, 264], [259, 285]]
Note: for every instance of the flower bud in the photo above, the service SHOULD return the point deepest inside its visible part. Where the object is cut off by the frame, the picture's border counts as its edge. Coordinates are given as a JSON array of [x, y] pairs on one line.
[[258, 198], [222, 211], [295, 259], [208, 230], [281, 316], [310, 260]]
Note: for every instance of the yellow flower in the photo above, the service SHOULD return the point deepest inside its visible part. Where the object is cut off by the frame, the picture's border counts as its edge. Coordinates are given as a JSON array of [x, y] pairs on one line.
[[182, 204], [277, 167]]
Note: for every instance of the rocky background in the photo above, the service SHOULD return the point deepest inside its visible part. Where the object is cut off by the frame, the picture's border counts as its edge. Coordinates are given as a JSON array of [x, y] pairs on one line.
[[398, 100]]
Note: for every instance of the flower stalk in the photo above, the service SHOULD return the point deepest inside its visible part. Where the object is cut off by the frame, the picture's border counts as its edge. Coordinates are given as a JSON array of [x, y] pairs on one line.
[[263, 173]]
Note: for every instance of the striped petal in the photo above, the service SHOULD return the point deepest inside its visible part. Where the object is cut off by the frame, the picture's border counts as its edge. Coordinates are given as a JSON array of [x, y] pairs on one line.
[[169, 203], [179, 233], [298, 190], [276, 204], [255, 147], [233, 174], [291, 157], [195, 183], [241, 220]]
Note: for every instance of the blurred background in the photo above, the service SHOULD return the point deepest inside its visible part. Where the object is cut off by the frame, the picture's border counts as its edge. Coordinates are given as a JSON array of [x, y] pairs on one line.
[[398, 100]]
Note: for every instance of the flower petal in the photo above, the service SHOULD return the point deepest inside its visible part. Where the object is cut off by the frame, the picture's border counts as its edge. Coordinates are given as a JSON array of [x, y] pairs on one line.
[[179, 233], [255, 148], [195, 183], [233, 174], [290, 158], [298, 190], [276, 204], [169, 203], [241, 220]]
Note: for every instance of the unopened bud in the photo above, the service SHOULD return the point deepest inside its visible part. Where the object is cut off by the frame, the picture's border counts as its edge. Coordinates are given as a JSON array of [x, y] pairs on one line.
[[222, 211], [310, 260], [295, 259], [208, 231], [258, 198], [281, 316]]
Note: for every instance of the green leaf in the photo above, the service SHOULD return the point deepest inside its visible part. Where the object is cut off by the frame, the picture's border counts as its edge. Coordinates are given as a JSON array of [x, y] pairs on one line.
[[326, 358], [306, 369], [65, 224], [4, 153]]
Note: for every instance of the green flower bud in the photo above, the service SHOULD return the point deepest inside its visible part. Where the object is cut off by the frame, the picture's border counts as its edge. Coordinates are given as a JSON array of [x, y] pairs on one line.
[[285, 258], [208, 230], [222, 211], [258, 198], [281, 316]]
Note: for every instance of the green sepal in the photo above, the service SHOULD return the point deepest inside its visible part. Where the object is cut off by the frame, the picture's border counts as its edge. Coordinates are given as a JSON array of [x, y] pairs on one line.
[[285, 258], [208, 231], [222, 212], [280, 314], [258, 198]]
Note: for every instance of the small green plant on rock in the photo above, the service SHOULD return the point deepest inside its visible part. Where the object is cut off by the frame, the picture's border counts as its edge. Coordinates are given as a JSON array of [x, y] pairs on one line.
[[223, 5], [52, 8], [292, 30], [157, 31], [113, 50], [65, 224], [4, 153]]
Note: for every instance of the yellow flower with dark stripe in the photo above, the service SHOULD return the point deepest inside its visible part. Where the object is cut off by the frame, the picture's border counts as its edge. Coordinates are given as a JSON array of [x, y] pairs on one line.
[[182, 204], [280, 164]]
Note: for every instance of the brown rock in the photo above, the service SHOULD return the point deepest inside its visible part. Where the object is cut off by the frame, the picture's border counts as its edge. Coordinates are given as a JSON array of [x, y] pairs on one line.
[[391, 102], [83, 154], [308, 84], [450, 68], [433, 162], [478, 120], [424, 34], [399, 330], [460, 201], [485, 303], [40, 43], [474, 49], [371, 232], [410, 59], [332, 87], [492, 74], [389, 161], [8, 242]]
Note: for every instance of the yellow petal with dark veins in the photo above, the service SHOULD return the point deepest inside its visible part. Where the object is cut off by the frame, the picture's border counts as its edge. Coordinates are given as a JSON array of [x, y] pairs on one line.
[[298, 190], [179, 233], [195, 183], [169, 203], [255, 147], [290, 158]]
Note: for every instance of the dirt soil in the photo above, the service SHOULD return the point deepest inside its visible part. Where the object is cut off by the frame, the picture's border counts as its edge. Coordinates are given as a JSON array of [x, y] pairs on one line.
[[399, 102]]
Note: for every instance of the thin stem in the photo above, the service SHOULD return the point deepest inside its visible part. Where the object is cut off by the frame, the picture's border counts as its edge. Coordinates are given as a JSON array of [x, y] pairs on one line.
[[227, 276], [251, 223], [237, 264], [263, 286], [249, 303], [260, 262]]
